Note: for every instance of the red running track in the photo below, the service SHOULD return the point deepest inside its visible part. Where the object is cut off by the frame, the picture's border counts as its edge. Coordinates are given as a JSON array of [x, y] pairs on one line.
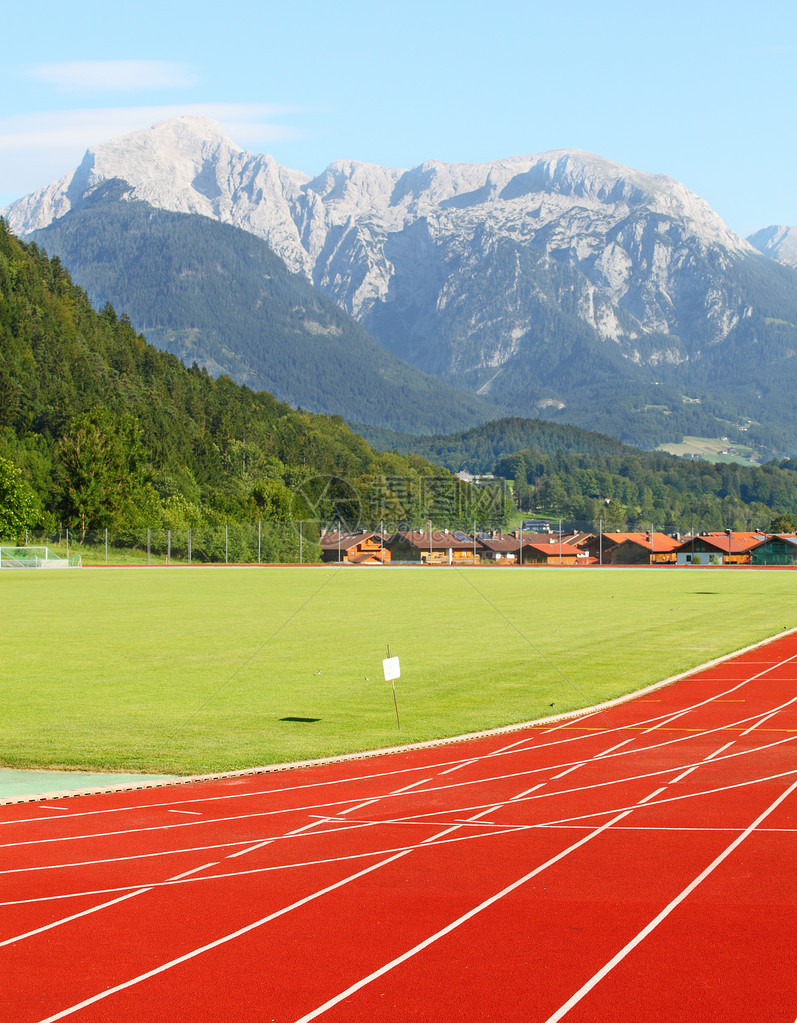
[[634, 864]]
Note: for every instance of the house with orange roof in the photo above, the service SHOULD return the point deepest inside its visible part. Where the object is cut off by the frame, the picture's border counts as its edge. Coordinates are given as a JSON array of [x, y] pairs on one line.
[[649, 548], [432, 547], [553, 551], [360, 548], [726, 548]]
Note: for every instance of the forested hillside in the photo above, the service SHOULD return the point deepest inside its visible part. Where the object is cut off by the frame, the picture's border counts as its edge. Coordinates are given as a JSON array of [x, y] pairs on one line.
[[587, 478], [107, 431]]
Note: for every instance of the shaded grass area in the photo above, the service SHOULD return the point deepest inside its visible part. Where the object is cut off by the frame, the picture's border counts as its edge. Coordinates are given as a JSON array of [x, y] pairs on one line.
[[174, 671]]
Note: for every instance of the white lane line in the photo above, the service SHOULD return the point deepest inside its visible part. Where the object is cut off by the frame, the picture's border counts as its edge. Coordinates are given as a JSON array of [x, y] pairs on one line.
[[764, 720], [454, 924], [440, 838], [104, 905], [653, 795], [569, 769], [74, 916], [194, 813], [716, 753], [611, 749], [61, 809], [219, 941], [320, 820], [685, 773], [323, 806], [654, 923]]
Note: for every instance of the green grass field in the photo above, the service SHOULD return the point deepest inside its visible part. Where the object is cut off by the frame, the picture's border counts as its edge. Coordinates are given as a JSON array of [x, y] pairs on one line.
[[205, 669]]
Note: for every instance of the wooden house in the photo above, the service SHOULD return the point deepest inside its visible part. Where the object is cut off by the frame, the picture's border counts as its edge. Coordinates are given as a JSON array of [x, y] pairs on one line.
[[435, 547], [361, 548], [780, 549], [649, 548], [552, 551], [726, 548]]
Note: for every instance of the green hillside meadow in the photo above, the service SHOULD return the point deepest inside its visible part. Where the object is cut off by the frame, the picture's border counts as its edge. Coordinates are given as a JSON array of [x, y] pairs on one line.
[[204, 669]]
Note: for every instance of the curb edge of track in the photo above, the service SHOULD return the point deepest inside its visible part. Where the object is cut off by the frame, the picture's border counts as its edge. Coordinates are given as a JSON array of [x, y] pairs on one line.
[[388, 750]]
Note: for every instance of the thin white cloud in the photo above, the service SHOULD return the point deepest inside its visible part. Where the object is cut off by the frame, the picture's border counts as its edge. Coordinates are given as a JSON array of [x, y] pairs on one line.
[[114, 75], [41, 147]]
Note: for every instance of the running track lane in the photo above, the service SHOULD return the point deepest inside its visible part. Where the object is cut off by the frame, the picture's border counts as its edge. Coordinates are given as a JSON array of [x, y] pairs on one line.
[[632, 864]]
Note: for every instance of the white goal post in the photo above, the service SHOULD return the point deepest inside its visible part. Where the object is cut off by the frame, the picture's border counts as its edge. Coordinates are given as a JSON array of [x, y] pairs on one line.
[[35, 557]]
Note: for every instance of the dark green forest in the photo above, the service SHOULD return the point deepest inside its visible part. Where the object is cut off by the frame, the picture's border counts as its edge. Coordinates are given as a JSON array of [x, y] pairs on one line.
[[99, 430], [586, 478]]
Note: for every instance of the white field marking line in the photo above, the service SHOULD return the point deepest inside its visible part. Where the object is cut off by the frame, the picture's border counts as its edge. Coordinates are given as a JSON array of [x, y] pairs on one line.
[[441, 838], [61, 809], [220, 941], [322, 806], [385, 774], [195, 813], [352, 989], [95, 909], [673, 904]]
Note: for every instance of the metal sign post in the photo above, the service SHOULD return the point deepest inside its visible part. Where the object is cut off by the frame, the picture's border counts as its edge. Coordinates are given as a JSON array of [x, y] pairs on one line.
[[392, 672]]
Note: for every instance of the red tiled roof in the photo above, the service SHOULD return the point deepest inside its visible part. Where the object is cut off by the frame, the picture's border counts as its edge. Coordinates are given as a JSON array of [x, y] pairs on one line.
[[656, 543], [553, 550], [737, 543]]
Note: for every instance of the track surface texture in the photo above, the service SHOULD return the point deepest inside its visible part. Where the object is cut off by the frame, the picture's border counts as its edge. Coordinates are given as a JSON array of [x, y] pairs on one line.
[[633, 864]]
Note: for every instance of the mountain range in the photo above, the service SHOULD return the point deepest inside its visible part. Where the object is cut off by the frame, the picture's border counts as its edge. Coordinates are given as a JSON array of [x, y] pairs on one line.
[[560, 285]]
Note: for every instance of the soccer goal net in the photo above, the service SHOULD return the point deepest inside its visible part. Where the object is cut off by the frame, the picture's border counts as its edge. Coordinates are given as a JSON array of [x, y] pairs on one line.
[[35, 557]]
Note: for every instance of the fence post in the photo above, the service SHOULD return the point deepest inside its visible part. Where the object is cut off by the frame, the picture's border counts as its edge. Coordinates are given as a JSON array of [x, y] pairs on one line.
[[148, 545], [189, 545], [226, 545], [168, 546], [106, 545], [259, 524], [300, 543], [67, 543]]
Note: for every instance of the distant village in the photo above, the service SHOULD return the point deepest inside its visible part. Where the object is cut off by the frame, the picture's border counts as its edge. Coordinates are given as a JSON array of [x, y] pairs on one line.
[[544, 547]]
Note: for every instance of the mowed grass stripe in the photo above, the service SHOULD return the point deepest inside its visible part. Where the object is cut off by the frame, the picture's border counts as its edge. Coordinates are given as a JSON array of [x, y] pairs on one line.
[[207, 669]]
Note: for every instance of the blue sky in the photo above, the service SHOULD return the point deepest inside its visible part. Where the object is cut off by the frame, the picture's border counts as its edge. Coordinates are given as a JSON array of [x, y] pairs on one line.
[[705, 92]]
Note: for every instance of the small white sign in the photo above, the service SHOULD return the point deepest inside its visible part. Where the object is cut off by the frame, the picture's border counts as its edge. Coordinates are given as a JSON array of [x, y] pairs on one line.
[[391, 666]]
